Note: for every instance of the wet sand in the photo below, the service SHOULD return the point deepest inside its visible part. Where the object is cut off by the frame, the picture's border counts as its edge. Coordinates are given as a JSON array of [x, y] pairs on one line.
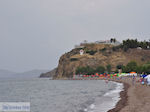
[[134, 98]]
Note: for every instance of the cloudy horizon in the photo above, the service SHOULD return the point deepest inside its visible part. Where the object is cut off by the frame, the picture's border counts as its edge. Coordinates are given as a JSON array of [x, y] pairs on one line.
[[35, 33]]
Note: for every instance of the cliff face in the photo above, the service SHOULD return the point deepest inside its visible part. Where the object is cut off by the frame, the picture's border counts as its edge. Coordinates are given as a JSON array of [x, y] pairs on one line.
[[103, 55], [48, 74]]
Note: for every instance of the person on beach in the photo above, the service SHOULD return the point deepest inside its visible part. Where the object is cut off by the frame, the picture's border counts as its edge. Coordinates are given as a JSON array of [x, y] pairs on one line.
[[142, 81], [133, 80], [148, 82], [106, 81]]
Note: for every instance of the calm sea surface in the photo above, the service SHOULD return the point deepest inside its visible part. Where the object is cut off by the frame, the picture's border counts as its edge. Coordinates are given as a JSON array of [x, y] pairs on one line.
[[61, 95]]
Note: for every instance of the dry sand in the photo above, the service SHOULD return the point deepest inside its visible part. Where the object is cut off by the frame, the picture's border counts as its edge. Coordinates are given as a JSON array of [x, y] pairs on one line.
[[134, 98]]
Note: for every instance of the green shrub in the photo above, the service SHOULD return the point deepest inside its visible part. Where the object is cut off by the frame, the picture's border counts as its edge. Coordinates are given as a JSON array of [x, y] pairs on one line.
[[85, 70], [103, 50], [108, 68], [89, 70], [125, 48], [134, 43], [74, 59], [116, 48], [142, 59], [119, 66], [100, 69], [91, 52]]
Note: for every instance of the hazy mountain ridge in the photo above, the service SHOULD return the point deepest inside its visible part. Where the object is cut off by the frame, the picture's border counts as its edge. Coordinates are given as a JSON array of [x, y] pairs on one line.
[[27, 74], [6, 73]]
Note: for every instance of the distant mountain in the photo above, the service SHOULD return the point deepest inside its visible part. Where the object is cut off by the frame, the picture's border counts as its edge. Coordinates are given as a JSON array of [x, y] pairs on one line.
[[31, 74], [28, 74], [6, 73]]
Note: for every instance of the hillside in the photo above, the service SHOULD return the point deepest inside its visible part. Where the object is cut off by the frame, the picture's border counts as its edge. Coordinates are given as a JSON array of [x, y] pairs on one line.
[[98, 54]]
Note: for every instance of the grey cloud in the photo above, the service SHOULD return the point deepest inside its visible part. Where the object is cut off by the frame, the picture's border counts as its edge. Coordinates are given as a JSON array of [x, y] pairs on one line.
[[35, 33]]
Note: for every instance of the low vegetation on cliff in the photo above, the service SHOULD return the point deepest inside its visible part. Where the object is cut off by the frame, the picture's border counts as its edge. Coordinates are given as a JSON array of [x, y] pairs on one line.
[[132, 43], [130, 67], [133, 66]]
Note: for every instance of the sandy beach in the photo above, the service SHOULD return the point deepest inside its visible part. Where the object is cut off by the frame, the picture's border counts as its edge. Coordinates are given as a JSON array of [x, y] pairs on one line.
[[134, 98]]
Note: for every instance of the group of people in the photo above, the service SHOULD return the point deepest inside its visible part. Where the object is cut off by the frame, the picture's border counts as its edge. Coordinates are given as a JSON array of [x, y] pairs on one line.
[[143, 80]]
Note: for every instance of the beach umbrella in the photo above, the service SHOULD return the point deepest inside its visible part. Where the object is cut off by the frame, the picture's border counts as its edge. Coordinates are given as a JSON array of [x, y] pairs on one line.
[[96, 74], [108, 75], [147, 77], [132, 72], [111, 75], [101, 75], [123, 74], [144, 75], [115, 74], [84, 75]]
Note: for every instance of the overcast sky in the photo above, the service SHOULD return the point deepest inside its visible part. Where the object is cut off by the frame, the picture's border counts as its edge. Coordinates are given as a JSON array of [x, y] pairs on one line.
[[35, 33]]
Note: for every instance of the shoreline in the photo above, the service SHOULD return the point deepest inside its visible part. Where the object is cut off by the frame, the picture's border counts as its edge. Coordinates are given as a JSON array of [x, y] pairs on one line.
[[134, 98], [123, 98]]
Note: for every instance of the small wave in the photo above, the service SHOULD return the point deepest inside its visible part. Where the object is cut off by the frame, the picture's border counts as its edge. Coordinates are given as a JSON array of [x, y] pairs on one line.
[[92, 106], [110, 99], [118, 89], [85, 110]]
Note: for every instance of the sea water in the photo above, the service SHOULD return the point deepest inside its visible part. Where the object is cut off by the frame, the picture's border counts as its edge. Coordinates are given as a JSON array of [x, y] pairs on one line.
[[47, 95]]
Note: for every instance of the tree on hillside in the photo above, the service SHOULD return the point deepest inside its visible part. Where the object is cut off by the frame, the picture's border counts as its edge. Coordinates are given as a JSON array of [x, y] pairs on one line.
[[113, 40], [130, 67], [134, 43], [139, 69], [100, 69], [108, 68], [85, 70], [119, 66], [130, 43], [89, 71], [79, 70], [146, 68]]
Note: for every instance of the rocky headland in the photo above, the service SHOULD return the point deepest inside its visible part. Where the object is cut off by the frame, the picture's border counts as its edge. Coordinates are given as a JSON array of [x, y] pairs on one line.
[[96, 54]]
